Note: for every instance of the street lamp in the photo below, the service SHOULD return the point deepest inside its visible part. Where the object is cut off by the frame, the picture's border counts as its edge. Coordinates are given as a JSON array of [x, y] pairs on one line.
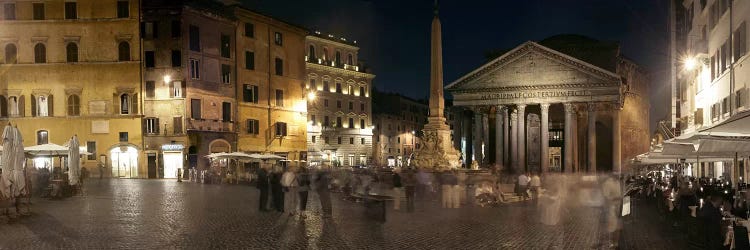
[[690, 63], [167, 79], [311, 95]]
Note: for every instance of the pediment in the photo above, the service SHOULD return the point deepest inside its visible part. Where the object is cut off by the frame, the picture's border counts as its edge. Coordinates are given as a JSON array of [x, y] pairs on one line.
[[530, 66]]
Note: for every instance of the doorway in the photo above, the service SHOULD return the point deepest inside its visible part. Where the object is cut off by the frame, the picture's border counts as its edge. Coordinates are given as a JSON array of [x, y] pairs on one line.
[[124, 162], [151, 161]]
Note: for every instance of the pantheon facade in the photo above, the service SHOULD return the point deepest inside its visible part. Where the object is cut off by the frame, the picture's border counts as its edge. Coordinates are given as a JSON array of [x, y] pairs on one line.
[[567, 103]]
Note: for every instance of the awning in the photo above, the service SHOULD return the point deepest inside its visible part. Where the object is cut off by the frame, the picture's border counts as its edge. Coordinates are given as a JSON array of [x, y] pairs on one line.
[[737, 125], [678, 148], [724, 147]]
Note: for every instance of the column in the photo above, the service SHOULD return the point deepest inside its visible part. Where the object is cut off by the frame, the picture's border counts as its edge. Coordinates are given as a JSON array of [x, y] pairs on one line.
[[506, 148], [499, 147], [591, 162], [514, 141], [616, 141], [522, 137], [568, 134], [545, 137], [477, 136], [485, 138]]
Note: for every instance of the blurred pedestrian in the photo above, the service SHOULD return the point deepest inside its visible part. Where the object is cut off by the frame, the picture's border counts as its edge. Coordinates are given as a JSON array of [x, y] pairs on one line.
[[711, 219], [455, 201], [262, 185], [523, 186], [324, 195], [303, 187], [461, 189], [277, 192], [535, 183], [289, 184], [410, 182], [446, 188], [398, 189], [613, 196]]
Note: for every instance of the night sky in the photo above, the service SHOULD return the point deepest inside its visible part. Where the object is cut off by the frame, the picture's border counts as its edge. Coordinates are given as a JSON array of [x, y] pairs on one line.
[[394, 35]]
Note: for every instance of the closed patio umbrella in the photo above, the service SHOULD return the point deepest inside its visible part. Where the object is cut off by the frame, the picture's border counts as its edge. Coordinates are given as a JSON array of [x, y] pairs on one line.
[[19, 164], [6, 159], [74, 172]]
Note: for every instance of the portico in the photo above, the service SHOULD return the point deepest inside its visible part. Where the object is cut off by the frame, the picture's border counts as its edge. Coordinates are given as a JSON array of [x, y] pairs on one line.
[[543, 91]]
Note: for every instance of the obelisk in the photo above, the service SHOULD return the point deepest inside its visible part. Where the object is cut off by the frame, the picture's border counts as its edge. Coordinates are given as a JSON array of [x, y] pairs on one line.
[[437, 151]]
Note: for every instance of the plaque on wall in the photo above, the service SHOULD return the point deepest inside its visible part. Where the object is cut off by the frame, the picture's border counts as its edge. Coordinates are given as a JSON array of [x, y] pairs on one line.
[[533, 142], [100, 127], [98, 107]]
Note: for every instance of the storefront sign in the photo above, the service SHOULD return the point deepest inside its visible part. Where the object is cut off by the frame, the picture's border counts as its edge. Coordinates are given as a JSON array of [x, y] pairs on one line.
[[172, 147], [538, 94]]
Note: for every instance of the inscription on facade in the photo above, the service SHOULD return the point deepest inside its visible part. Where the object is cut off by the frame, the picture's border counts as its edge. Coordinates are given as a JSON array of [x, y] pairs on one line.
[[537, 94]]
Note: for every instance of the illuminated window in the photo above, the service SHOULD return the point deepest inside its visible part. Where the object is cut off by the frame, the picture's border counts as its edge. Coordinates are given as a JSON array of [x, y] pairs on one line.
[[124, 104], [151, 125], [278, 39]]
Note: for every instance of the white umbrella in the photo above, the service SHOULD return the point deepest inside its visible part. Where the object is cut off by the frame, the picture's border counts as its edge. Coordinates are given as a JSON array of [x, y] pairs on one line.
[[19, 164], [49, 149], [271, 157], [74, 161], [6, 160]]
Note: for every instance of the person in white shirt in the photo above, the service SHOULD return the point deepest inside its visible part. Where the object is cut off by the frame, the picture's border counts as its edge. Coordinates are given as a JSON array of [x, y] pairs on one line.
[[534, 185], [523, 185], [289, 184]]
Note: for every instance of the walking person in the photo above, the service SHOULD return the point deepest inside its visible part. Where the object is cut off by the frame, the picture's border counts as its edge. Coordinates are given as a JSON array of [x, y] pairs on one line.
[[523, 185], [289, 183], [613, 195], [277, 192], [398, 190], [455, 190], [446, 189], [410, 182], [262, 185], [303, 187], [324, 195], [535, 183]]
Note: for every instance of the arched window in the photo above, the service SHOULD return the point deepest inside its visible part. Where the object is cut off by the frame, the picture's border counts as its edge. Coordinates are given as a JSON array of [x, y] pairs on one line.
[[74, 105], [40, 53], [3, 106], [124, 104], [311, 54], [123, 51], [11, 53], [72, 52], [350, 59], [325, 54], [338, 58], [42, 137]]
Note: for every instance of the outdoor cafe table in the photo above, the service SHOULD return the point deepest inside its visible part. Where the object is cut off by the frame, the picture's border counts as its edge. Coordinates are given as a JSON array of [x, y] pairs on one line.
[[729, 237]]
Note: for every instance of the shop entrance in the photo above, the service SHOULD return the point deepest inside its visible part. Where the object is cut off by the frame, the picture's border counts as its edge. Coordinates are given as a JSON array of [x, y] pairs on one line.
[[151, 160], [124, 162], [172, 162]]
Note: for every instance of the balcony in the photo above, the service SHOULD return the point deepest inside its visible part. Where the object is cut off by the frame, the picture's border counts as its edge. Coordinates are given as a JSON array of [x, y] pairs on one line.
[[330, 63], [210, 125]]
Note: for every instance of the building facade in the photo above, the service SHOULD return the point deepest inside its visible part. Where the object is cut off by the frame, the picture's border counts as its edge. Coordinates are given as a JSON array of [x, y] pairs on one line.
[[711, 81], [567, 103], [189, 82], [74, 68], [339, 131], [272, 110], [398, 121]]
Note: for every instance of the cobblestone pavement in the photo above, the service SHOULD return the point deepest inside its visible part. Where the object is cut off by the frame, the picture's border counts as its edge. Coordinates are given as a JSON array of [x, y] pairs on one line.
[[164, 214]]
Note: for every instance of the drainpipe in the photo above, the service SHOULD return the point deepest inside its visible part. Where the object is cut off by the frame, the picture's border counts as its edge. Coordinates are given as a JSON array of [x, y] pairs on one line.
[[731, 62], [268, 99]]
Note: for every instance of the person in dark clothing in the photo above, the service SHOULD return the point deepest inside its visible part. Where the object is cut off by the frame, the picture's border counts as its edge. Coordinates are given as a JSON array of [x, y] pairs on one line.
[[303, 187], [398, 190], [321, 186], [410, 188], [711, 219], [277, 192], [263, 186]]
